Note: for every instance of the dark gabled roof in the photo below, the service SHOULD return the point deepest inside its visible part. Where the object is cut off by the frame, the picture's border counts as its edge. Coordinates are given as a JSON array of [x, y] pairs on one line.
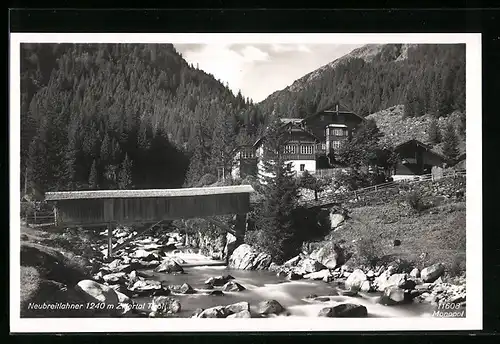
[[293, 127], [94, 194], [332, 108], [421, 144]]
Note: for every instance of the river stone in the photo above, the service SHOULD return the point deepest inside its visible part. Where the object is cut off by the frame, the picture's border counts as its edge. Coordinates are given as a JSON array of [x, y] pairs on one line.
[[165, 305], [293, 276], [344, 310], [270, 307], [366, 286], [242, 314], [398, 280], [392, 295], [144, 287], [117, 277], [415, 273], [218, 281], [350, 293], [213, 312], [169, 265], [355, 280], [431, 273], [144, 255], [233, 286], [237, 307], [336, 220], [144, 264], [322, 299], [182, 289], [325, 273], [293, 261], [215, 293]]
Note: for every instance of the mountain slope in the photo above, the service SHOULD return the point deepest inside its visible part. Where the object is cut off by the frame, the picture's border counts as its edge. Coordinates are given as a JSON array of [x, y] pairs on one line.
[[431, 78], [121, 116], [398, 129]]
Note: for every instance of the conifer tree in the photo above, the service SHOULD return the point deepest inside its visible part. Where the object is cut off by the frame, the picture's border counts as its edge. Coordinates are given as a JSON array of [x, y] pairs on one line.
[[275, 233], [125, 174], [450, 143], [434, 133], [93, 182]]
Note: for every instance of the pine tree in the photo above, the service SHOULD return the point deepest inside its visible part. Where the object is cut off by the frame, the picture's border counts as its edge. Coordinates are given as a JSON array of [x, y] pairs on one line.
[[434, 133], [93, 182], [363, 147], [275, 233], [450, 143], [125, 175]]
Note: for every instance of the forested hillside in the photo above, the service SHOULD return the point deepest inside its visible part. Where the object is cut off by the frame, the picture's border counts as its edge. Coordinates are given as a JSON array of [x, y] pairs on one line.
[[426, 78], [124, 116]]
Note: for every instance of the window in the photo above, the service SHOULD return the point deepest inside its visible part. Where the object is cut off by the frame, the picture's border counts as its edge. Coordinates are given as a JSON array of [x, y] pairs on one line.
[[290, 149], [337, 132], [323, 146], [302, 167], [247, 153], [306, 149], [335, 144]]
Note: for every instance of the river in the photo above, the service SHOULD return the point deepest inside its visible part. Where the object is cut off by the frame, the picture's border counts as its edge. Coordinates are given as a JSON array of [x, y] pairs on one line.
[[265, 285]]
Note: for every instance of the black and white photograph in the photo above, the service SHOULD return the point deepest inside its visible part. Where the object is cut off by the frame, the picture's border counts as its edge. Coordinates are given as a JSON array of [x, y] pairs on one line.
[[253, 182]]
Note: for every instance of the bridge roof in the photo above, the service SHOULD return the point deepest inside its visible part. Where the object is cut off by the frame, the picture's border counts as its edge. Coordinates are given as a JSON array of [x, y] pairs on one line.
[[182, 192]]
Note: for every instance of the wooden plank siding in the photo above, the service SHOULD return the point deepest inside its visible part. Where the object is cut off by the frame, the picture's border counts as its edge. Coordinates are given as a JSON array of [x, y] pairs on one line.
[[130, 210]]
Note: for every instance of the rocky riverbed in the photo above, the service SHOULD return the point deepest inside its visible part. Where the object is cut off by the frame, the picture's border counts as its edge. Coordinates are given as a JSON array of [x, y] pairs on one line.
[[152, 277]]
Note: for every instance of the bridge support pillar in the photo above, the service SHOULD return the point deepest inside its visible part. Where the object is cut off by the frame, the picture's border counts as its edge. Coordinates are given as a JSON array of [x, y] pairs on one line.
[[110, 241], [240, 227]]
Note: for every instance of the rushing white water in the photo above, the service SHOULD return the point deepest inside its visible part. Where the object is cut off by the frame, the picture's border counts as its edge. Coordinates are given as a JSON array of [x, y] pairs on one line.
[[265, 285]]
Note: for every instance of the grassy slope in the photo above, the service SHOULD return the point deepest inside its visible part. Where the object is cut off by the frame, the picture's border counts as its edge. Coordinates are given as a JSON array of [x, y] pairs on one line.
[[49, 272], [433, 235], [398, 129]]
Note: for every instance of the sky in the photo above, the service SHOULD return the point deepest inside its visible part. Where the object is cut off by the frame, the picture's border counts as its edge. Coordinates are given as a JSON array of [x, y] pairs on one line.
[[261, 69]]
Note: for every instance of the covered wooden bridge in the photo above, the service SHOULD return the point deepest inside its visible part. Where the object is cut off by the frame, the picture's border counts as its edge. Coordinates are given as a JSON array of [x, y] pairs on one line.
[[133, 207]]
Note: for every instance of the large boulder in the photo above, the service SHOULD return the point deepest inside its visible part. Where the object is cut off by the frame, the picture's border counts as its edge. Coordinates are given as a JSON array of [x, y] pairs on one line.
[[432, 273], [169, 265], [97, 294], [270, 307], [331, 256], [308, 265], [335, 220], [344, 310], [238, 307], [355, 280], [245, 257]]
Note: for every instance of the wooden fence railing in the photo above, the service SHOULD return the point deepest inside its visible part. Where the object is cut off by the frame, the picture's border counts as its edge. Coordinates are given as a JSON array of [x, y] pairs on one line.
[[40, 219], [333, 197]]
